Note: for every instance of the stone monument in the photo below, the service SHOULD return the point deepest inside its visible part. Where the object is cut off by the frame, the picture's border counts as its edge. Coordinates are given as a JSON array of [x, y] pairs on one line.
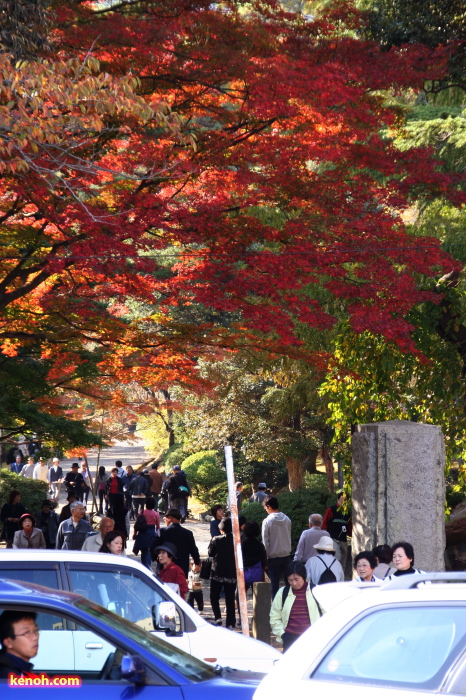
[[399, 489]]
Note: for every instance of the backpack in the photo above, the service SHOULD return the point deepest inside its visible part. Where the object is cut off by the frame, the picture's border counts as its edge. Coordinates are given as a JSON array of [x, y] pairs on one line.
[[141, 524], [286, 590], [327, 576]]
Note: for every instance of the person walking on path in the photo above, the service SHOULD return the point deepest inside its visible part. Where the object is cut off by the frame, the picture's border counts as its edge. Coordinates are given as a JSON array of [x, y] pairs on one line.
[[10, 514], [87, 481], [72, 532], [28, 536], [114, 485], [383, 554], [74, 480], [325, 567], [338, 525], [156, 482], [218, 513], [403, 559], [28, 469], [127, 480], [41, 471], [17, 465], [101, 488], [179, 491], [276, 537], [365, 564], [223, 573], [181, 537], [254, 554], [55, 478], [294, 608], [170, 571], [305, 549], [260, 495], [47, 522], [94, 541], [139, 490]]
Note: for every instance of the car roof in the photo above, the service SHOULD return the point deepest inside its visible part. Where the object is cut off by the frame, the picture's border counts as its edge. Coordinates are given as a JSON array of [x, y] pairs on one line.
[[66, 555]]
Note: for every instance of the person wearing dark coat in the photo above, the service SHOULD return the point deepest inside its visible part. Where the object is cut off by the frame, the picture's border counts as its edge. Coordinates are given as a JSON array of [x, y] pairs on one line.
[[47, 521], [253, 551], [113, 486], [217, 513], [182, 538], [74, 481], [223, 573], [139, 488], [119, 512], [10, 515]]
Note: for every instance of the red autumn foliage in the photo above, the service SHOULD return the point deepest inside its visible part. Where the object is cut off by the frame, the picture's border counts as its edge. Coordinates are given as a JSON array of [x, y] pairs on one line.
[[233, 156]]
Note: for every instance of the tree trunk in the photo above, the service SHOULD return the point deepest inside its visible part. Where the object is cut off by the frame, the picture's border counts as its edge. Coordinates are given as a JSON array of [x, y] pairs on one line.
[[295, 473], [310, 462], [327, 457]]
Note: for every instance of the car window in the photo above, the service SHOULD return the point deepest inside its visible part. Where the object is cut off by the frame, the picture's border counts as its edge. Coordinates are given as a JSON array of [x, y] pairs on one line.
[[41, 576], [406, 647], [122, 592], [185, 664]]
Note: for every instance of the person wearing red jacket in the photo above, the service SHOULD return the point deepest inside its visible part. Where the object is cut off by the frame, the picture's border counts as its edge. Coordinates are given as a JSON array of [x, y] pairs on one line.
[[171, 572]]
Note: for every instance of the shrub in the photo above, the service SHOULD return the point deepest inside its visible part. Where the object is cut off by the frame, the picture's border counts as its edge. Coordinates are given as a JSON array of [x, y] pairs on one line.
[[297, 505], [219, 494], [205, 472], [175, 455], [33, 491]]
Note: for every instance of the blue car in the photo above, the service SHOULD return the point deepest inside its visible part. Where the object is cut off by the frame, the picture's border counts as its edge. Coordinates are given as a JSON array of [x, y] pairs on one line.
[[84, 647]]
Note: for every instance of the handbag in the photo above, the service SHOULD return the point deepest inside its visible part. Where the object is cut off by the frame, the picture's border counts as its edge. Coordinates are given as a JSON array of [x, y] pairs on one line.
[[206, 568], [253, 574]]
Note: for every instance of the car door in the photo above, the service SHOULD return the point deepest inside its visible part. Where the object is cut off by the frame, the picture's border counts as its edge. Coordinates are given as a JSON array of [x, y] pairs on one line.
[[124, 591], [81, 674]]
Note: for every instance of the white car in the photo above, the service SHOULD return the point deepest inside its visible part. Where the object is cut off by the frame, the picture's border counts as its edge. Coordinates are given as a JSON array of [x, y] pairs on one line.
[[404, 640], [131, 590]]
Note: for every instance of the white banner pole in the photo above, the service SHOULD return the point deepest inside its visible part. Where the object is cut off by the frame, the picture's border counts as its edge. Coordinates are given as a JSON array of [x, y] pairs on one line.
[[237, 540]]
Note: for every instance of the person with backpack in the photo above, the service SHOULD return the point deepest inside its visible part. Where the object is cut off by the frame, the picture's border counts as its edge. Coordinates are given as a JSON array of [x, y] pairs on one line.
[[294, 608], [179, 491], [276, 537], [325, 567]]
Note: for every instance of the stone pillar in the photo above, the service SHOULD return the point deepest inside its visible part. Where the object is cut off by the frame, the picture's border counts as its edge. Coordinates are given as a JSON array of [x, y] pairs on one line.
[[399, 489]]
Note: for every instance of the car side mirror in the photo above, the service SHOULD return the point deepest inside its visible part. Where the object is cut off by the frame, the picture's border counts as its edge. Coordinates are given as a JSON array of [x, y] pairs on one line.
[[165, 616], [133, 669]]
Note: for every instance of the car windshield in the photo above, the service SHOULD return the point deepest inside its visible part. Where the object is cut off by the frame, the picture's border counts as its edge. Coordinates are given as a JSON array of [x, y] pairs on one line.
[[406, 647], [191, 668]]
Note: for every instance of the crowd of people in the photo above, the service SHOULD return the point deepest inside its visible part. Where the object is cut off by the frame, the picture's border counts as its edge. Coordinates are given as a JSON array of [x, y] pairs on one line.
[[171, 551]]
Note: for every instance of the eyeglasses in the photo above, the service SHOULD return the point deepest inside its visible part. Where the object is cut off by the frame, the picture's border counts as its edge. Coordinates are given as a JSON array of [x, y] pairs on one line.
[[29, 633]]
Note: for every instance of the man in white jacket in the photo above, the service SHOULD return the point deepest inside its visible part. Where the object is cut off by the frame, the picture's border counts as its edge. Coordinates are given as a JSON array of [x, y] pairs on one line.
[[41, 471], [276, 537]]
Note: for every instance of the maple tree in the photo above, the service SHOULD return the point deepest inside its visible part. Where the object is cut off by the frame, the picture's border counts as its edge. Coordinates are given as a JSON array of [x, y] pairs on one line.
[[186, 177]]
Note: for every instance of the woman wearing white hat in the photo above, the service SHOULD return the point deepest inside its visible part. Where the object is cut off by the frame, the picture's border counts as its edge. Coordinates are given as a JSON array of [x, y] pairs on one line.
[[325, 567]]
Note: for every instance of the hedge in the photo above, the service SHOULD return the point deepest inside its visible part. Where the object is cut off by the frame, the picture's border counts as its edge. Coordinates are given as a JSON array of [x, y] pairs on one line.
[[33, 491], [297, 505], [205, 472]]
